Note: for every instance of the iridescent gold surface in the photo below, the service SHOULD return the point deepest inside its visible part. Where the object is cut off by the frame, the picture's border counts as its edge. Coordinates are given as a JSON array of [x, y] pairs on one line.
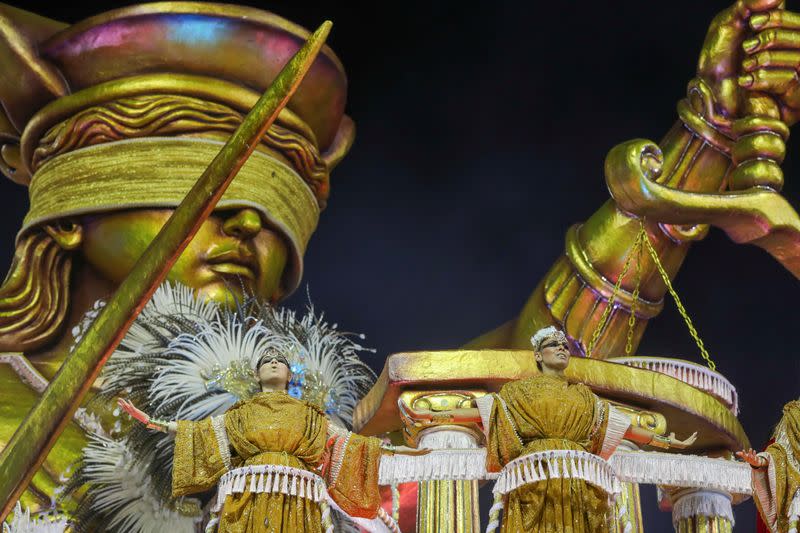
[[35, 296], [649, 420], [440, 401], [696, 157], [226, 255], [758, 215], [28, 448], [18, 399], [69, 91], [685, 408], [448, 506], [194, 38], [679, 192], [575, 292]]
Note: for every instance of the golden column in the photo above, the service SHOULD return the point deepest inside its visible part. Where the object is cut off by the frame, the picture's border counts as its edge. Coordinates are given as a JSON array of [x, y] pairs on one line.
[[447, 505], [442, 504]]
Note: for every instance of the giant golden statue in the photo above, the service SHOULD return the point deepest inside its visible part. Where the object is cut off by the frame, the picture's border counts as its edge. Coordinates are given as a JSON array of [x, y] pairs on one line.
[[109, 121], [109, 136]]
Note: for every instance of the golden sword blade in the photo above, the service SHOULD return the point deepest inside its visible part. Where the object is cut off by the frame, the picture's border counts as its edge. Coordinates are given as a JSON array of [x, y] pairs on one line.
[[30, 444]]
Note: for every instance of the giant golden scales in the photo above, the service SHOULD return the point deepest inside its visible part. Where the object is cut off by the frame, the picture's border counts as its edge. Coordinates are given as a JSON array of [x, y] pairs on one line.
[[564, 291]]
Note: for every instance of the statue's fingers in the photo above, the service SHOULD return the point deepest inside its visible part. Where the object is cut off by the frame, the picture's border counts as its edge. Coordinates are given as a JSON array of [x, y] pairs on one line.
[[773, 39], [760, 5], [772, 58], [776, 81], [788, 20]]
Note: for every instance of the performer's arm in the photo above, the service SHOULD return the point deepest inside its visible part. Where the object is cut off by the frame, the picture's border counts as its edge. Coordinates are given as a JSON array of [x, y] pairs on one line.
[[170, 427]]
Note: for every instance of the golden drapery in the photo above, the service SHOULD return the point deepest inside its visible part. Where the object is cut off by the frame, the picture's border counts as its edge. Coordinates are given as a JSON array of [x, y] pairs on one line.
[[547, 413], [776, 489], [274, 428]]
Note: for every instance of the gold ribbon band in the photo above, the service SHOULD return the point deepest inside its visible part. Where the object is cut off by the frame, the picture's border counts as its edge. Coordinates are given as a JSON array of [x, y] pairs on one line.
[[158, 172], [703, 128]]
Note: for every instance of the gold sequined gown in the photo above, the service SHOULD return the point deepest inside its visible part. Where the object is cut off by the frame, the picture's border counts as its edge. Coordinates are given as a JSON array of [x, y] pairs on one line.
[[547, 413], [777, 488], [274, 428]]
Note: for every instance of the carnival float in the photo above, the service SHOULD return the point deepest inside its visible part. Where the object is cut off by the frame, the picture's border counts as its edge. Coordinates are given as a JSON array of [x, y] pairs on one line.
[[151, 381]]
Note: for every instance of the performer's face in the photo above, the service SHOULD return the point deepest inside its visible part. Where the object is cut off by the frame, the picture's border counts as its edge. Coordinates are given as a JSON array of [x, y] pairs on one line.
[[274, 374], [554, 354], [231, 249]]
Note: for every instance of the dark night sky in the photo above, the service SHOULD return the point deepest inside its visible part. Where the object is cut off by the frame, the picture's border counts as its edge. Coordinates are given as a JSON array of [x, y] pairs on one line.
[[481, 137]]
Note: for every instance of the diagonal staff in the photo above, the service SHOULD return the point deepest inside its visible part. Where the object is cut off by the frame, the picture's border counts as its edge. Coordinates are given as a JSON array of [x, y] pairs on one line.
[[34, 438]]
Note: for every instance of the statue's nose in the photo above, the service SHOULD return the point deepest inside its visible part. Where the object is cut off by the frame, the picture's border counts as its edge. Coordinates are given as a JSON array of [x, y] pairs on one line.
[[244, 223]]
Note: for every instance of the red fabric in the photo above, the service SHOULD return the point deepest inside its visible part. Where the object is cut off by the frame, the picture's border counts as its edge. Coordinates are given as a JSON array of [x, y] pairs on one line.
[[761, 527], [408, 505]]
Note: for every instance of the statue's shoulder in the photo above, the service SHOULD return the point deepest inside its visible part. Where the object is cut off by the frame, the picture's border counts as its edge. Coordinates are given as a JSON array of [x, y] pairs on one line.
[[22, 385]]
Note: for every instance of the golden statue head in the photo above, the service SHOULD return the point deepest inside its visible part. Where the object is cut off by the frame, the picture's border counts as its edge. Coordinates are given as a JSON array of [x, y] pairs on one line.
[[110, 121]]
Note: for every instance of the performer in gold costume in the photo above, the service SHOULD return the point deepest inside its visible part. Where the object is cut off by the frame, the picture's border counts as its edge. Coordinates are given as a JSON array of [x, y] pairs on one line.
[[549, 432], [281, 439], [776, 474], [530, 418]]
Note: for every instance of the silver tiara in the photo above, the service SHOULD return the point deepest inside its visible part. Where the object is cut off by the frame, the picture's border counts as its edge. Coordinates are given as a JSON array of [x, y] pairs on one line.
[[546, 333]]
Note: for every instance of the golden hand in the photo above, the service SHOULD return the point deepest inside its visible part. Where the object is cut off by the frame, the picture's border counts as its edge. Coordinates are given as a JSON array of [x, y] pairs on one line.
[[722, 54], [772, 60], [751, 456]]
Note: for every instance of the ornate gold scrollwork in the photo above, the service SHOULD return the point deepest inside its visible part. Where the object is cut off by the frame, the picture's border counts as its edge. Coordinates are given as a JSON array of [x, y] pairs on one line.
[[438, 402], [757, 215], [650, 420]]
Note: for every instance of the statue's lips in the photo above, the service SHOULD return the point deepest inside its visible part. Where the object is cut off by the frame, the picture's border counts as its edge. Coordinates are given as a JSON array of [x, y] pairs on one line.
[[233, 262], [235, 269]]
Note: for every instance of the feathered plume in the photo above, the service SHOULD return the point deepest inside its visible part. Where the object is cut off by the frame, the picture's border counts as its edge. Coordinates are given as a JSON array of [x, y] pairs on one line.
[[24, 523]]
